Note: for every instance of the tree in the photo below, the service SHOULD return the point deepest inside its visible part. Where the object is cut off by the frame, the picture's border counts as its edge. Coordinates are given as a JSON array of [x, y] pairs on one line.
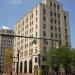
[[62, 56]]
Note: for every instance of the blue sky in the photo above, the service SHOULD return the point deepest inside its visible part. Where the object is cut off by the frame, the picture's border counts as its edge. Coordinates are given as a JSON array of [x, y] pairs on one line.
[[12, 10]]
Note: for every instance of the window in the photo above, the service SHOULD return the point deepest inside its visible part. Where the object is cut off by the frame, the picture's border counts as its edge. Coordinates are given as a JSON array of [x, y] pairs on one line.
[[51, 20], [66, 37], [54, 14], [21, 65], [36, 59], [30, 30], [44, 11], [54, 5], [59, 36], [44, 26], [57, 6], [32, 15], [26, 19], [36, 19], [36, 33], [36, 50], [36, 26], [45, 42], [51, 13], [25, 67], [32, 22], [55, 35], [16, 67], [50, 4], [59, 29], [51, 35], [64, 17], [44, 33], [58, 22], [58, 16], [30, 66], [44, 18], [51, 27], [36, 12], [44, 49], [65, 30], [55, 28], [55, 21]]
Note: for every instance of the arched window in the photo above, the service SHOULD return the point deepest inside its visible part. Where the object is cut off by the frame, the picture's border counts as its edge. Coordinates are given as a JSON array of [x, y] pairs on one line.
[[25, 67], [16, 67], [30, 66], [21, 64]]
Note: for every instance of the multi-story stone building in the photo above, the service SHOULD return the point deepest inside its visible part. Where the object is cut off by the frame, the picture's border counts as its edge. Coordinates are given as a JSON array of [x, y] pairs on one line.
[[46, 20], [5, 43]]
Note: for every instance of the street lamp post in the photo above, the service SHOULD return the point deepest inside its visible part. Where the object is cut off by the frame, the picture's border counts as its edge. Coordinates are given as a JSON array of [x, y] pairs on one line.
[[18, 63]]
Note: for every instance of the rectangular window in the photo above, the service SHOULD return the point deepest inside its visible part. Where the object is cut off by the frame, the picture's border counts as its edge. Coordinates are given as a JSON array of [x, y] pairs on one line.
[[51, 21], [59, 29], [44, 11], [55, 35], [44, 49], [54, 5], [36, 33], [55, 28], [55, 21], [51, 27], [59, 36], [36, 59], [51, 35], [44, 26], [36, 19], [51, 13], [36, 12], [65, 30], [58, 7], [44, 33], [64, 17], [58, 22], [58, 16], [50, 4], [44, 18], [66, 37], [54, 14]]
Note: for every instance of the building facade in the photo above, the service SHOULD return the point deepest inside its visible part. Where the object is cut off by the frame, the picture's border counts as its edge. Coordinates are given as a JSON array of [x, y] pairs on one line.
[[46, 20], [5, 43]]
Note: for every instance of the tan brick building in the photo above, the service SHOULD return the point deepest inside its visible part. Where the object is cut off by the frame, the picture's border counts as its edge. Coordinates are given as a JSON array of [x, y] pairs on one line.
[[46, 20]]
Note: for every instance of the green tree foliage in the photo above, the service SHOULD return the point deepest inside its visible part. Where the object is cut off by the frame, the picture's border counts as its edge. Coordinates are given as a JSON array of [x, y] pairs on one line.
[[64, 56], [8, 56]]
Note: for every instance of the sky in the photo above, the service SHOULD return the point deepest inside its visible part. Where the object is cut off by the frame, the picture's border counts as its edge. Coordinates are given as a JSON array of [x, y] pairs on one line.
[[12, 11]]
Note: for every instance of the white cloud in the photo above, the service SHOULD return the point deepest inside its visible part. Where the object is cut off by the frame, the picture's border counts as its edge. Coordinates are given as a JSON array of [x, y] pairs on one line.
[[4, 27]]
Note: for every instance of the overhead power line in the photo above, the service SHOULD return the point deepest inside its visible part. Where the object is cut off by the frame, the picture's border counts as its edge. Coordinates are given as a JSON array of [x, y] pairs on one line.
[[13, 36]]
